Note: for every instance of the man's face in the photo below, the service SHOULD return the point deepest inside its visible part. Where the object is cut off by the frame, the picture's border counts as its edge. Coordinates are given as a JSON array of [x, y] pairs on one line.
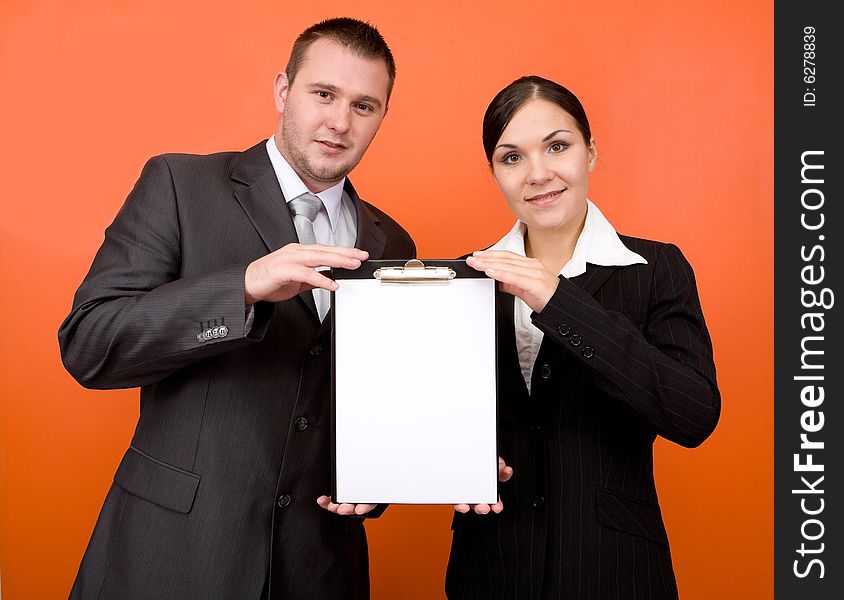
[[330, 113]]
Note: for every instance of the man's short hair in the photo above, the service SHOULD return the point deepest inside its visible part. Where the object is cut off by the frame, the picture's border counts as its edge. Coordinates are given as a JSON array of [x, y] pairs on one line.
[[359, 37]]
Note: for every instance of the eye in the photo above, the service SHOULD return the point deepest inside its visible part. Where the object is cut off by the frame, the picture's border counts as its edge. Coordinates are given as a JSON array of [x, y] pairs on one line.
[[557, 147], [323, 94], [510, 158], [362, 107]]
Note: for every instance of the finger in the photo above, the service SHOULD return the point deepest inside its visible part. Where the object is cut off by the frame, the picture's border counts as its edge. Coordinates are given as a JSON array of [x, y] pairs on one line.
[[326, 503], [497, 507], [504, 256], [362, 509], [481, 509], [473, 262], [505, 474], [508, 273], [533, 270], [328, 256], [306, 278], [346, 509], [530, 281], [461, 508], [315, 279], [342, 250]]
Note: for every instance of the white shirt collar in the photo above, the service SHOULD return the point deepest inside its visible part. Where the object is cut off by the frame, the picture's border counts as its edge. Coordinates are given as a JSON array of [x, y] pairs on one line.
[[292, 186], [598, 244]]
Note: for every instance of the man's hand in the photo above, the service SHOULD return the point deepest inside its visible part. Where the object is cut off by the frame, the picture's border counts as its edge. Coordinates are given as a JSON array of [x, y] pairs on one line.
[[344, 509], [504, 474], [291, 270]]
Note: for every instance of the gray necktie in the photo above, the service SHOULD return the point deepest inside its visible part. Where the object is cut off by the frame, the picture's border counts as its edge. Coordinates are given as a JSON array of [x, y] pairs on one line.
[[305, 209]]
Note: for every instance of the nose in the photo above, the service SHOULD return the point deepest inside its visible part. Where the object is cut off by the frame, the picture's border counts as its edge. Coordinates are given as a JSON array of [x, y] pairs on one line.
[[338, 119], [538, 172]]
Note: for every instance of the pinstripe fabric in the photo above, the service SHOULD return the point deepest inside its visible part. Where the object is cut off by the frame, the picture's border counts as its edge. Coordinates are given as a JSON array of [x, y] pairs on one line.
[[193, 511], [625, 357]]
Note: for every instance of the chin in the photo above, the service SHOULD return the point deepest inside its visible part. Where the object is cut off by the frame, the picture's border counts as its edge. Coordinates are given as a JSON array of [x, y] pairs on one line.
[[548, 224], [330, 171]]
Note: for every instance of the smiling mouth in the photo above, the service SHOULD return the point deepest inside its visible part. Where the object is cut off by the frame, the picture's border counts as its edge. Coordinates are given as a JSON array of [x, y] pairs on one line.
[[331, 145], [547, 197]]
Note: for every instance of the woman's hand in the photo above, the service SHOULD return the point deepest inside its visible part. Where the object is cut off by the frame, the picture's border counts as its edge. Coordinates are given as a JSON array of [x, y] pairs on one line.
[[504, 474], [526, 278]]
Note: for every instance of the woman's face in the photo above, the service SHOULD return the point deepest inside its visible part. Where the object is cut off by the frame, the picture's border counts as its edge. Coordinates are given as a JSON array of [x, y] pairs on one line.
[[541, 164]]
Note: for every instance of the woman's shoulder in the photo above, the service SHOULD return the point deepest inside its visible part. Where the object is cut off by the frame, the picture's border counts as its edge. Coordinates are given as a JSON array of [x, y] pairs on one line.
[[650, 249], [665, 259]]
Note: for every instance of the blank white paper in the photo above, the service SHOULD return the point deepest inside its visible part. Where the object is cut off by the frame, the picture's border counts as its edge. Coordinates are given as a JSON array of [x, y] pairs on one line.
[[415, 402]]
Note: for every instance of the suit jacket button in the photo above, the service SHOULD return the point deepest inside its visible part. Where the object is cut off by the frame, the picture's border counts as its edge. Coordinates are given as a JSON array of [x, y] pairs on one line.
[[564, 330], [200, 338], [545, 371], [283, 501], [224, 331], [588, 352], [316, 350], [575, 340], [301, 423], [207, 334], [538, 501], [215, 332]]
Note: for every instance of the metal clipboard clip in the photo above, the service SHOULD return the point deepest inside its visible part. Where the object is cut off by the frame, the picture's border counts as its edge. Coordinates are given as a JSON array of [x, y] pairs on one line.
[[414, 271]]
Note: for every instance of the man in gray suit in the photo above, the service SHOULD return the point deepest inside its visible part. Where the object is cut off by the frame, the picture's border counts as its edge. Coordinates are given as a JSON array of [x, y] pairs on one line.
[[205, 294]]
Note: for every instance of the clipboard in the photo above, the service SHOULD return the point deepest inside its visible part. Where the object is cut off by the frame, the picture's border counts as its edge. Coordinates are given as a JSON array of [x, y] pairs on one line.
[[414, 391]]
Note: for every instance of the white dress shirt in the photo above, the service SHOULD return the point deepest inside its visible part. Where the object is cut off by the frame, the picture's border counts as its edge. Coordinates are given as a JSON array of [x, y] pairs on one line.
[[598, 244], [334, 225]]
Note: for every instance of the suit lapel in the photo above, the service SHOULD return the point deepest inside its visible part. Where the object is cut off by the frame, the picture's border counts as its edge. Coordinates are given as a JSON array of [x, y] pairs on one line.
[[594, 277], [261, 198], [370, 237], [265, 205]]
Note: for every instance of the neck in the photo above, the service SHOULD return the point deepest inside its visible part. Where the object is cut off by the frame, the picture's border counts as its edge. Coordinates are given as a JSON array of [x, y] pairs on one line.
[[553, 248]]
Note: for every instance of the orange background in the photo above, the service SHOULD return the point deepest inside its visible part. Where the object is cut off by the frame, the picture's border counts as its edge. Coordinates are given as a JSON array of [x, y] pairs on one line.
[[680, 100]]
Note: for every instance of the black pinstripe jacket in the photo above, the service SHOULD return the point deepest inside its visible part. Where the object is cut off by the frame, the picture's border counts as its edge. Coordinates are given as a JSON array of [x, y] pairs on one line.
[[232, 444], [626, 356]]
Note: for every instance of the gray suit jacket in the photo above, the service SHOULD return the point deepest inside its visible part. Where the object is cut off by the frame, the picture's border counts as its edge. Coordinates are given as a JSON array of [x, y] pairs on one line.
[[231, 448]]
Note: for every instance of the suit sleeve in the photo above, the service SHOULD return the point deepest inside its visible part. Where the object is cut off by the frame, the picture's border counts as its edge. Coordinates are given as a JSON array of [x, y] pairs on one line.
[[666, 376], [134, 319]]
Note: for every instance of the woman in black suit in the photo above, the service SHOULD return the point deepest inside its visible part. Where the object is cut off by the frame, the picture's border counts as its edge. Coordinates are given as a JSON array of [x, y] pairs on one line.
[[603, 347]]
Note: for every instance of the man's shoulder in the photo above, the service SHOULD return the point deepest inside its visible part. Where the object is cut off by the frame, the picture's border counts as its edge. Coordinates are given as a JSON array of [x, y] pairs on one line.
[[219, 162], [188, 158], [185, 162]]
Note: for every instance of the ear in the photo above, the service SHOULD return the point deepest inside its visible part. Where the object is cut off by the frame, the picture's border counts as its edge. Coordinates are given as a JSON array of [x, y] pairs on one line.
[[281, 87], [593, 154]]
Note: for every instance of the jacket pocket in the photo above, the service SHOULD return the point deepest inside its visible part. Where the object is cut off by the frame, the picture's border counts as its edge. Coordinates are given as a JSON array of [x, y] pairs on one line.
[[631, 515], [162, 484]]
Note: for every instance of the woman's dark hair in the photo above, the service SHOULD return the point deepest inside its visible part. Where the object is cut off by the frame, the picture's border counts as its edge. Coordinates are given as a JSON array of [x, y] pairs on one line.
[[508, 101]]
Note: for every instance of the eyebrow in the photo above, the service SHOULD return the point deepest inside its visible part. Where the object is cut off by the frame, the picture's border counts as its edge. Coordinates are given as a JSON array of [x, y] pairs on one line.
[[553, 133], [545, 139], [330, 87]]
